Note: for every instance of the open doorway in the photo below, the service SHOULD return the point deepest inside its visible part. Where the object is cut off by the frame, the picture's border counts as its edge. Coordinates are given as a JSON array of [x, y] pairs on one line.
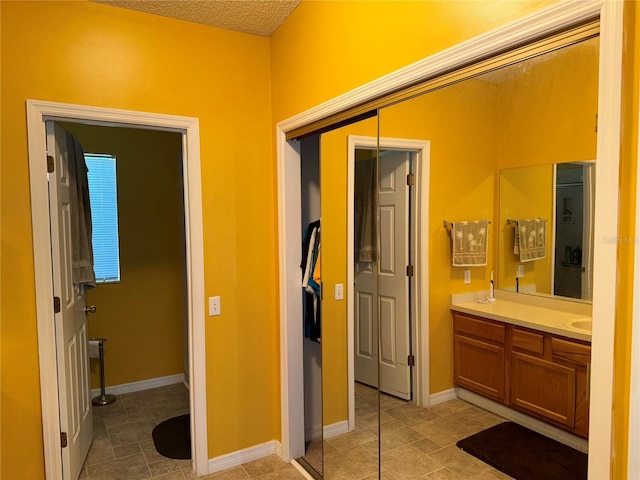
[[187, 128], [138, 304]]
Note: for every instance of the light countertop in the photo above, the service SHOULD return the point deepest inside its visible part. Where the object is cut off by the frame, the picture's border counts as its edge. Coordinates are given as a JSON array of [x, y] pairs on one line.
[[543, 317]]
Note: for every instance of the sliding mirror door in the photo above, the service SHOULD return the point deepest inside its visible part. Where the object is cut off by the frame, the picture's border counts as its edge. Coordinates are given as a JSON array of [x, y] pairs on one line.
[[539, 111], [349, 348]]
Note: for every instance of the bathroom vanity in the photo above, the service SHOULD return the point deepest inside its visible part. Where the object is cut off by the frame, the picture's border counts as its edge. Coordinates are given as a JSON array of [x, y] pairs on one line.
[[528, 355]]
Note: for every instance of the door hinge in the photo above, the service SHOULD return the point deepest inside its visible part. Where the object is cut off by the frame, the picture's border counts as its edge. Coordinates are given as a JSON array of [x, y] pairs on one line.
[[411, 361], [50, 164], [596, 123], [411, 179], [409, 270], [56, 304], [63, 439]]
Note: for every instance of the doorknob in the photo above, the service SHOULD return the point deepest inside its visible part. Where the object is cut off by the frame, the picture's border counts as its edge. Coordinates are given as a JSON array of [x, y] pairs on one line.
[[91, 309]]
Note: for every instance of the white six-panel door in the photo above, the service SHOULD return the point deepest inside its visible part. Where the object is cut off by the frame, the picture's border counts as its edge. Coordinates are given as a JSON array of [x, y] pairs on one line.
[[76, 418], [389, 305]]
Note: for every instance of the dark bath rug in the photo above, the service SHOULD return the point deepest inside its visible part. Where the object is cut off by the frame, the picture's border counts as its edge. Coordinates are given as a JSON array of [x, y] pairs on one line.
[[524, 454], [172, 437]]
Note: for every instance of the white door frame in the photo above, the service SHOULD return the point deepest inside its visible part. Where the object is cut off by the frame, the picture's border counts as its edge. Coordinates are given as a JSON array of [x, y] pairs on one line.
[[548, 20], [37, 113], [420, 241]]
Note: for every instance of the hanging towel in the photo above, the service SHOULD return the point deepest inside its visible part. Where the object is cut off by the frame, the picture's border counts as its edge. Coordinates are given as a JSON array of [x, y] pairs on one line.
[[530, 242], [469, 243], [364, 211], [80, 209]]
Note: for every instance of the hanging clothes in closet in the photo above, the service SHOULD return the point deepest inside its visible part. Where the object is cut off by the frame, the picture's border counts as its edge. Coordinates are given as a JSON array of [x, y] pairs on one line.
[[311, 282]]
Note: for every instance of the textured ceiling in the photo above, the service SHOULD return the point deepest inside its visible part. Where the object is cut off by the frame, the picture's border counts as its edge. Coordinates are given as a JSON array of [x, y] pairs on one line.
[[258, 17]]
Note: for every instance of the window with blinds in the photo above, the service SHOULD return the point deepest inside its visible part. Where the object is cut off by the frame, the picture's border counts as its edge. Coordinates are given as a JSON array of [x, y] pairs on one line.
[[103, 196]]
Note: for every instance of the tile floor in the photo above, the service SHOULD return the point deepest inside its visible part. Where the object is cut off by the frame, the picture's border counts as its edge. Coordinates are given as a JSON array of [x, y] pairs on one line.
[[417, 444]]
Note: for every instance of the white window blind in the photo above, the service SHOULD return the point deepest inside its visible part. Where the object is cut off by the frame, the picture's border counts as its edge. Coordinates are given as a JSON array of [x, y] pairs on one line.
[[103, 195]]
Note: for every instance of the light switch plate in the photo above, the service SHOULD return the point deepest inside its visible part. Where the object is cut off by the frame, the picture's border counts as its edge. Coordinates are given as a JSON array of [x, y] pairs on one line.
[[467, 276], [338, 291], [214, 306], [520, 271]]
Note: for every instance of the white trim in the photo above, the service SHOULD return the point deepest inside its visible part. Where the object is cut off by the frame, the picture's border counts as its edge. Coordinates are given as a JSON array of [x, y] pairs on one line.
[[290, 250], [335, 429], [249, 454], [443, 396], [633, 459], [605, 250], [548, 20], [420, 241], [141, 385], [37, 113], [525, 420]]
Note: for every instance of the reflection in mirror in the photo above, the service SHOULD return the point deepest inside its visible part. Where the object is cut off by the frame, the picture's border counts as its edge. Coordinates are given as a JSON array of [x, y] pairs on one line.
[[562, 195], [350, 412], [534, 112]]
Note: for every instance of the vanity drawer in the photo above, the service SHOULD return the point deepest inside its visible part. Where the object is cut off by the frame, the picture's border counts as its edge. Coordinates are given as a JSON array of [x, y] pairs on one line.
[[476, 327], [572, 351], [527, 341]]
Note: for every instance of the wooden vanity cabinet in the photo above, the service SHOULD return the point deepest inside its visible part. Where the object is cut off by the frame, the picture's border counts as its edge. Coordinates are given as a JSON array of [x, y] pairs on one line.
[[540, 374], [479, 349]]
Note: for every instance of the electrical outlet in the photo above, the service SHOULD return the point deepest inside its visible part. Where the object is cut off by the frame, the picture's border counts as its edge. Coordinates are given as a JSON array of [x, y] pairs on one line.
[[338, 291], [214, 306], [467, 276], [520, 271]]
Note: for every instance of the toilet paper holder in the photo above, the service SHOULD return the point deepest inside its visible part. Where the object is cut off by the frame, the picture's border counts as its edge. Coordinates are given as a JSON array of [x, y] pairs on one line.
[[104, 398]]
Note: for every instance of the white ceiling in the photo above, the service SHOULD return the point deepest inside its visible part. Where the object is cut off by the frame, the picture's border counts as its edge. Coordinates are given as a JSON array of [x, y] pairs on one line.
[[258, 17]]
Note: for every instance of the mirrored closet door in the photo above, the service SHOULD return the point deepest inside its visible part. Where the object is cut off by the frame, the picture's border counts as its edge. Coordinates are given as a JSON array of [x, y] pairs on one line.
[[389, 185]]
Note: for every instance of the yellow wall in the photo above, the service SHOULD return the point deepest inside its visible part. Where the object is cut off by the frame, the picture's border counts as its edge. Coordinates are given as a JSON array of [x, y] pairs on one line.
[[143, 315], [524, 193], [93, 54]]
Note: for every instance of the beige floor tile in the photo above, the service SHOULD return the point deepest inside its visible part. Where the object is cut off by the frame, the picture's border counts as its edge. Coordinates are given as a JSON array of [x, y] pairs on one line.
[[100, 451], [352, 439], [406, 463], [387, 402], [426, 446], [131, 432], [449, 407], [442, 474], [288, 472], [131, 468], [127, 450], [458, 461], [263, 466], [395, 434], [163, 466], [353, 464], [410, 414], [175, 475], [236, 473]]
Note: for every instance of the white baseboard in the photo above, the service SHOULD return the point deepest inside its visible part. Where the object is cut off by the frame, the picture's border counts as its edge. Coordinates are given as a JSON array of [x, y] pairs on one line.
[[141, 385], [249, 454], [526, 421], [442, 397], [335, 429]]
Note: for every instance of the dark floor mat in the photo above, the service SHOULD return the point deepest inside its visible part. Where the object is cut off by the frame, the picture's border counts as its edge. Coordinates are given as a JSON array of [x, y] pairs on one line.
[[524, 454], [172, 437]]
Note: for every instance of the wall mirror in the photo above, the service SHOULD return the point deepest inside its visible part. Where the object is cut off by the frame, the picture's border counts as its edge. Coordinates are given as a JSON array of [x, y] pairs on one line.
[[562, 197], [527, 115]]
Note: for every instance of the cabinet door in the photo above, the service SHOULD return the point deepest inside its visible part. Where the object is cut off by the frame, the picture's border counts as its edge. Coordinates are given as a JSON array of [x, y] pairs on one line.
[[479, 366], [543, 388]]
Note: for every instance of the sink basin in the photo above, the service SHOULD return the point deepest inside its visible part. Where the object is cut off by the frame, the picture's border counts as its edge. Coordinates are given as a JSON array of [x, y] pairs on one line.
[[582, 325]]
